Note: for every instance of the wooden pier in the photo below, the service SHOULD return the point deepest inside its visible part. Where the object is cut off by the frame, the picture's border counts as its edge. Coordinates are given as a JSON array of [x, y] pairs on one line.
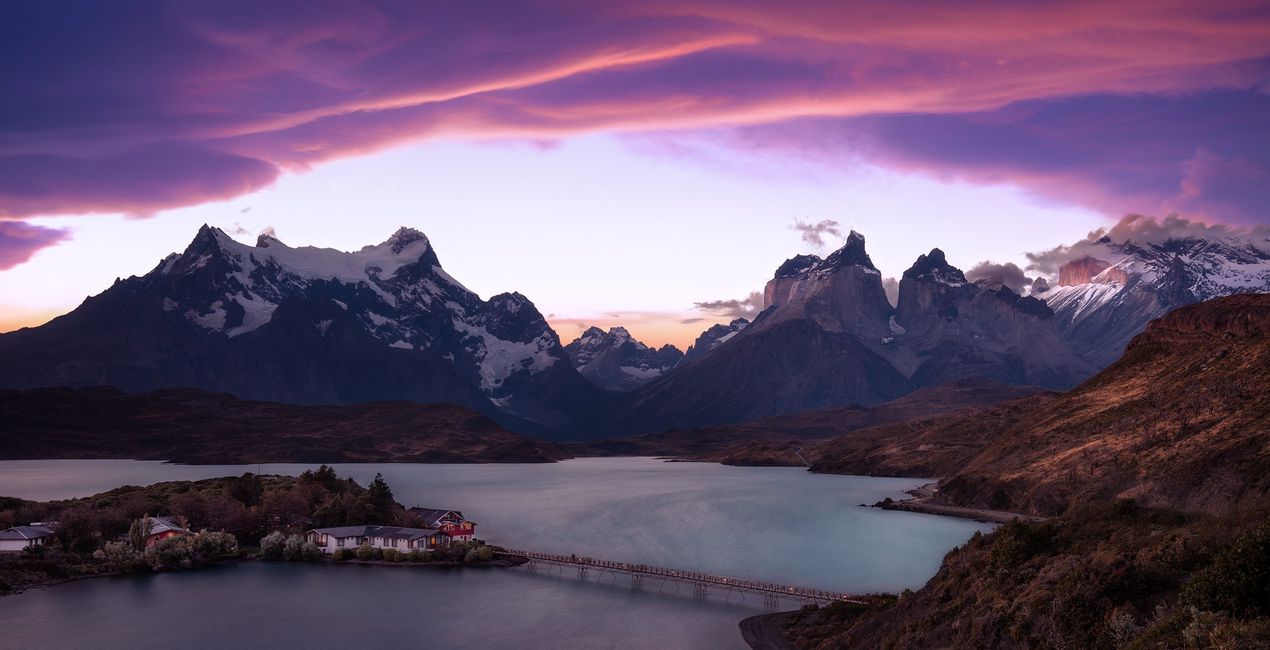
[[640, 574]]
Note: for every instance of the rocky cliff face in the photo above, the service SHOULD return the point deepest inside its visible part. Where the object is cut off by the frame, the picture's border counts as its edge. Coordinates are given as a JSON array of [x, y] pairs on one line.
[[827, 336], [312, 326], [950, 329], [615, 361]]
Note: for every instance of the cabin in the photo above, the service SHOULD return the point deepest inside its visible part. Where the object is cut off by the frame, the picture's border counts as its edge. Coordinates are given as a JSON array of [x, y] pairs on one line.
[[20, 538], [451, 523], [383, 537], [162, 528]]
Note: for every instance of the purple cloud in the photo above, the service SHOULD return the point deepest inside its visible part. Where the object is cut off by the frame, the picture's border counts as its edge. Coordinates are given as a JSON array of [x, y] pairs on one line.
[[1203, 154], [20, 240], [144, 105]]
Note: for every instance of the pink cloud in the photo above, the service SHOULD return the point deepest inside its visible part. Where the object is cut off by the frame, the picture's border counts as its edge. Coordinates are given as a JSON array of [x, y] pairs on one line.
[[143, 106], [20, 240]]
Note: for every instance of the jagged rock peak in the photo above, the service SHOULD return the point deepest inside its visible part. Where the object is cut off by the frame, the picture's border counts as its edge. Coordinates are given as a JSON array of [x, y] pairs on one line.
[[852, 253], [404, 237], [267, 239], [797, 265], [934, 266]]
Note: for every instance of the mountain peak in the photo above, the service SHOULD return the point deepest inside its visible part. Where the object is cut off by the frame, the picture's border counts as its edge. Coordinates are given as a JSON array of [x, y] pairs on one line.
[[404, 237], [934, 266], [852, 253], [797, 265], [267, 239]]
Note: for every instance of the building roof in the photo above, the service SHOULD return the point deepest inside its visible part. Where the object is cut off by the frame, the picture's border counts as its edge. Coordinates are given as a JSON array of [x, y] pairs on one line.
[[433, 516], [160, 525], [387, 532], [25, 532]]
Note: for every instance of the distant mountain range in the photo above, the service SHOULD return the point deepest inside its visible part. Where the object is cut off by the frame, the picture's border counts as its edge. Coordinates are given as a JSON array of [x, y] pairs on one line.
[[309, 325], [615, 361], [828, 336]]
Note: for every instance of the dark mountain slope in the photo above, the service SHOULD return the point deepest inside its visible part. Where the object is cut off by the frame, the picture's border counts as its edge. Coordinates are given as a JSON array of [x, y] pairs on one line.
[[192, 426]]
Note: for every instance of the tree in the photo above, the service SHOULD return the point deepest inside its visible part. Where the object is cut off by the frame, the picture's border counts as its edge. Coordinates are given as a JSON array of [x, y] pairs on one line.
[[272, 546], [247, 489], [293, 548], [139, 531], [381, 500]]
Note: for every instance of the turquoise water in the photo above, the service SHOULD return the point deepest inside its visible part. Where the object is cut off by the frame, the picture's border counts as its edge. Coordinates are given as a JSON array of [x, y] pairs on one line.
[[777, 524]]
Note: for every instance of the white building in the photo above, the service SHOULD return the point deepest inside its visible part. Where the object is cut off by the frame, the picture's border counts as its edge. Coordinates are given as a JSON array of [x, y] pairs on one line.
[[19, 538], [384, 537]]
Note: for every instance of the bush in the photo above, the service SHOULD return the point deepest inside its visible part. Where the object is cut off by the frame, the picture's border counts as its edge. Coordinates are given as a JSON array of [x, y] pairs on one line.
[[366, 552], [392, 555], [310, 552], [417, 555], [293, 548], [119, 556], [211, 546], [342, 554], [170, 554], [272, 546], [480, 553], [1238, 580]]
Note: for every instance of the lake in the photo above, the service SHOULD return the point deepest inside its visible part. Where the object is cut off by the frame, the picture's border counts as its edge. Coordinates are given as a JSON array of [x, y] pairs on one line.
[[776, 524]]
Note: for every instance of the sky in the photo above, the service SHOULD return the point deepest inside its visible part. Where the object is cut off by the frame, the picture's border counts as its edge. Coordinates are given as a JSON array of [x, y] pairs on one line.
[[646, 164]]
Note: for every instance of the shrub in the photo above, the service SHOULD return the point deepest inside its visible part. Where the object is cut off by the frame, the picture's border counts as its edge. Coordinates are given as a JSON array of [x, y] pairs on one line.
[[119, 556], [169, 554], [392, 555], [211, 546], [417, 555], [272, 546], [342, 554], [310, 552], [293, 548], [366, 552], [1237, 581]]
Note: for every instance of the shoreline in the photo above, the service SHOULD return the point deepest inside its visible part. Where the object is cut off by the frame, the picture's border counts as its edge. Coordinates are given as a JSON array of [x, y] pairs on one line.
[[919, 501], [492, 564], [767, 631]]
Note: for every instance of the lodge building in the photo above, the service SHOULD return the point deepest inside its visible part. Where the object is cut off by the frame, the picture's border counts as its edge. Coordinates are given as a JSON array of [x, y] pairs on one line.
[[444, 527]]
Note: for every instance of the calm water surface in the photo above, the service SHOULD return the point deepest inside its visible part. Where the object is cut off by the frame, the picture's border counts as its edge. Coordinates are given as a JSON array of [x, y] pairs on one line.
[[779, 524]]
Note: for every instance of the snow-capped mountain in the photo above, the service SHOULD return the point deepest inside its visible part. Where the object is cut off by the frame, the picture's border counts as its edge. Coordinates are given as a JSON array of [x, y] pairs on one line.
[[1107, 296], [827, 336], [308, 325], [711, 338], [615, 361]]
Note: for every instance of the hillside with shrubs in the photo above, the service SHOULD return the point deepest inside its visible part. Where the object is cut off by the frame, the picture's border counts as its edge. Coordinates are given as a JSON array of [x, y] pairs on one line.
[[1157, 475]]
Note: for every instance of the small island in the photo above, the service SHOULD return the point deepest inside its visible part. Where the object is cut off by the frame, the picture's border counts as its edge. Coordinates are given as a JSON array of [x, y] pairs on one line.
[[178, 525]]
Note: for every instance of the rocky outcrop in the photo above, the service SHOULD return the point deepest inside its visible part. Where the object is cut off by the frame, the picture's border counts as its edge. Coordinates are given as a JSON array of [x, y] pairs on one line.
[[1080, 271], [951, 329]]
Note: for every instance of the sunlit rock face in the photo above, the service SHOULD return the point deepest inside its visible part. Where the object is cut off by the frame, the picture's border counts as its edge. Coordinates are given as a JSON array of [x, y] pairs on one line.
[[1098, 311]]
